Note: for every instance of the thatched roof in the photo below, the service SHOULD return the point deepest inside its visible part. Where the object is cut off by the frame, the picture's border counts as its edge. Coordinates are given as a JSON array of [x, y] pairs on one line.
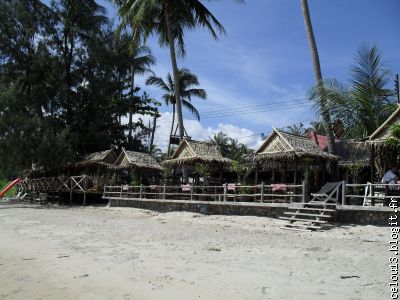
[[283, 146], [382, 134], [190, 152], [352, 153], [136, 160], [106, 157]]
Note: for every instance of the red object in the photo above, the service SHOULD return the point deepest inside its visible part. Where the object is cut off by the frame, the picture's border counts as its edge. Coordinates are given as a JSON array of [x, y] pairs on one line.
[[186, 187], [279, 187], [9, 187], [320, 139]]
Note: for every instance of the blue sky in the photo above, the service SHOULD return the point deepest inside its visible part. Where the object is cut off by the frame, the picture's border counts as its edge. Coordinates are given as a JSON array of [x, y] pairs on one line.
[[258, 74]]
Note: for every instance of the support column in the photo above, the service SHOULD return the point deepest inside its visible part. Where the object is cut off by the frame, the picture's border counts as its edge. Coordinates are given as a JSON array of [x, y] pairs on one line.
[[70, 193], [256, 175], [372, 163]]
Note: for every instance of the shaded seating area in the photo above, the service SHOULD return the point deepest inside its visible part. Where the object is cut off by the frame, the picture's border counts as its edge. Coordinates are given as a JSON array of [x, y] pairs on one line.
[[137, 167], [200, 161], [288, 158]]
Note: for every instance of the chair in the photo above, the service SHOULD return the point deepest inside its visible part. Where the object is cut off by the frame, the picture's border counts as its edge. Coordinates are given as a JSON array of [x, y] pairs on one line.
[[329, 192]]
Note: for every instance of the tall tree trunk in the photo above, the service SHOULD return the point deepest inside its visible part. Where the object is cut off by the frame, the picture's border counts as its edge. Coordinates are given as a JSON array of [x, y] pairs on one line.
[[130, 126], [153, 132], [172, 128], [318, 77], [177, 84]]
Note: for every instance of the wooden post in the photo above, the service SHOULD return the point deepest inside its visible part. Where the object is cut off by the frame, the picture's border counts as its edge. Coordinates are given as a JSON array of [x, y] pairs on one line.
[[84, 190], [191, 193], [343, 192], [221, 166], [303, 191], [256, 175], [141, 191], [372, 162], [225, 191], [164, 192], [262, 192], [70, 193]]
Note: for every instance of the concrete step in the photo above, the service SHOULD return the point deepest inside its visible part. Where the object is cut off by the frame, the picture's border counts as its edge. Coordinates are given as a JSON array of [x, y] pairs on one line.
[[296, 229], [307, 215], [320, 204], [312, 209], [304, 220], [303, 226]]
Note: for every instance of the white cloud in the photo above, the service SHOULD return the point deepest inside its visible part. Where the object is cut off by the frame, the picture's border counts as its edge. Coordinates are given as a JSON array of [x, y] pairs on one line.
[[198, 132]]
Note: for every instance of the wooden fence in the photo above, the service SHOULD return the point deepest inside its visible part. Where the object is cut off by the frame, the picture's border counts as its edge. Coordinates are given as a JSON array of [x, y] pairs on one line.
[[228, 192]]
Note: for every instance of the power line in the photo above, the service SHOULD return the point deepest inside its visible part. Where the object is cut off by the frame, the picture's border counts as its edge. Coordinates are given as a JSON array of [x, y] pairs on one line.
[[246, 109], [235, 113]]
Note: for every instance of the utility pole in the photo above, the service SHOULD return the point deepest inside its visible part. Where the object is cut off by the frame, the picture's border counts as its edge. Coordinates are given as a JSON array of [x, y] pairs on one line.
[[396, 88]]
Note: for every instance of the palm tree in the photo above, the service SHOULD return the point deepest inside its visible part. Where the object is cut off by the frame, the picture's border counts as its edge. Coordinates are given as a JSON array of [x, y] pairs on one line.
[[168, 19], [141, 60], [221, 141], [364, 104], [188, 81], [318, 77]]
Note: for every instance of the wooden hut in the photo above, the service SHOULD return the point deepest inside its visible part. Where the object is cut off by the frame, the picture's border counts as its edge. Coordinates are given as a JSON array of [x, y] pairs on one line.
[[285, 157], [96, 165], [103, 158], [137, 167], [191, 153]]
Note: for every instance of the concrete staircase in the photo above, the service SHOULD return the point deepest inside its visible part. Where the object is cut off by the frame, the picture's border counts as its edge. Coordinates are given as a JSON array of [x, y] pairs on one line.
[[310, 216]]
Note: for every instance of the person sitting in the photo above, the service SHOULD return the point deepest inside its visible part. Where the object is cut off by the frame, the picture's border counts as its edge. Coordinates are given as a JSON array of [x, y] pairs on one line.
[[391, 177]]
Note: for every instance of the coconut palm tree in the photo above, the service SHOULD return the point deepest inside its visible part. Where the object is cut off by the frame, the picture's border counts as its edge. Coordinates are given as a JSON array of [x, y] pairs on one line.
[[318, 77], [364, 104], [187, 82], [221, 141], [168, 19]]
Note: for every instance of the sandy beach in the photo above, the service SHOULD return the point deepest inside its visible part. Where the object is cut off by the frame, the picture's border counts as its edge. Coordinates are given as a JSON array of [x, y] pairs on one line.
[[126, 253]]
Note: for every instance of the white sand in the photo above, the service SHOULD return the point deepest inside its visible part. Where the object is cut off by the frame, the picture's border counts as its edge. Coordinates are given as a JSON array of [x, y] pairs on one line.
[[124, 253]]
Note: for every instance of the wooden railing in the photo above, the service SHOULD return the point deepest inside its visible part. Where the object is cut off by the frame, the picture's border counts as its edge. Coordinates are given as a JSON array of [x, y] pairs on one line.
[[369, 194], [228, 192]]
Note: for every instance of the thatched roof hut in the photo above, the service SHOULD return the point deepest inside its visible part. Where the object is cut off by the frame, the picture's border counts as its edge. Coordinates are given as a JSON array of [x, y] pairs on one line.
[[287, 147], [191, 152], [106, 157], [137, 161]]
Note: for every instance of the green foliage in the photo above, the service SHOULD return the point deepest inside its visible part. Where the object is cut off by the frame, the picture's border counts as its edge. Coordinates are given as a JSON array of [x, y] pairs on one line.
[[65, 83], [394, 139], [188, 82], [242, 171], [229, 147], [203, 170], [147, 17], [135, 179], [363, 105]]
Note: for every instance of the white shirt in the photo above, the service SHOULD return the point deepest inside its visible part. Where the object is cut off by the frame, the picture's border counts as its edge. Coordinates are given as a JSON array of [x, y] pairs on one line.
[[389, 177]]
